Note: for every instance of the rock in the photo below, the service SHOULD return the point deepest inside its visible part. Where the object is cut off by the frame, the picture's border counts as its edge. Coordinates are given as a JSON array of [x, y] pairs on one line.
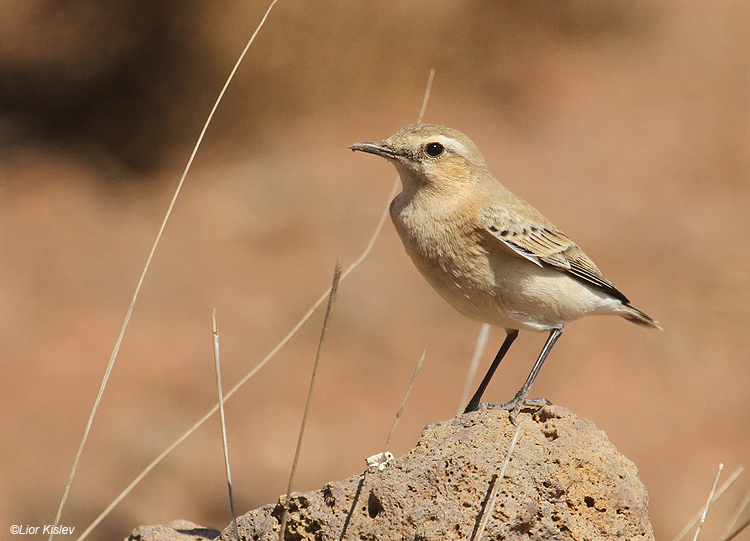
[[177, 530], [564, 480]]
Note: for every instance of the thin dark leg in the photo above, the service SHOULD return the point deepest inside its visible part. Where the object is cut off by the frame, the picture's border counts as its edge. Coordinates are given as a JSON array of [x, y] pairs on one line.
[[515, 405], [473, 404]]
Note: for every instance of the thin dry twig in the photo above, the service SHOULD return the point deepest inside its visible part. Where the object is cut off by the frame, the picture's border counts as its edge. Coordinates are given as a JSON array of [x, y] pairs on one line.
[[719, 493], [403, 402], [490, 507], [479, 348], [225, 446], [323, 332]]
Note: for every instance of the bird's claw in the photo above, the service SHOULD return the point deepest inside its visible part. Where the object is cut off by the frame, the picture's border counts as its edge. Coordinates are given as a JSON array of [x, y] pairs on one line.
[[515, 406]]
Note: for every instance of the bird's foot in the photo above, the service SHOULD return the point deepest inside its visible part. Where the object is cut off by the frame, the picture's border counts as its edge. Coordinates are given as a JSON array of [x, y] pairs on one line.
[[515, 406]]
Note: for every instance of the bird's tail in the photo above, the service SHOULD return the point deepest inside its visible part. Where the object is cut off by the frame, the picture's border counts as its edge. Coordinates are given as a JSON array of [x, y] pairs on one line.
[[636, 316]]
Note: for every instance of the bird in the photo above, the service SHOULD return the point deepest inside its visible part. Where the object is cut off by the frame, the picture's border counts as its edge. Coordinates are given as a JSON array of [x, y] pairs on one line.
[[487, 252]]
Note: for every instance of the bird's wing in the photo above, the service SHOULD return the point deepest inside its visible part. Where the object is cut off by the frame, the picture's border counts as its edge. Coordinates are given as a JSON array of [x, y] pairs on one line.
[[542, 243]]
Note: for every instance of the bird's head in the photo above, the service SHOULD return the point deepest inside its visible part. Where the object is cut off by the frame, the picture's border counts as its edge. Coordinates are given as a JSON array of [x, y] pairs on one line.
[[428, 156]]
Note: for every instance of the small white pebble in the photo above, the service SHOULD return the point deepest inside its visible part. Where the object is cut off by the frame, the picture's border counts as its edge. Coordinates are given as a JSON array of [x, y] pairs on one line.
[[380, 461]]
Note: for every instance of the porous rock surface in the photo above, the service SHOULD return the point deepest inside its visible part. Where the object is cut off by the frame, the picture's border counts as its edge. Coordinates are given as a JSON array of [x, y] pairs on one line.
[[564, 480]]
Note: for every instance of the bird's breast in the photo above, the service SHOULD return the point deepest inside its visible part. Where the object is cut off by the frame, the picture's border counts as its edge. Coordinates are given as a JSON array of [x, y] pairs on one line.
[[448, 252]]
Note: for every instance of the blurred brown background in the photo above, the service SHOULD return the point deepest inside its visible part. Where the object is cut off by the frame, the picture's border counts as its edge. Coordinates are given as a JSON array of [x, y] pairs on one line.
[[626, 123]]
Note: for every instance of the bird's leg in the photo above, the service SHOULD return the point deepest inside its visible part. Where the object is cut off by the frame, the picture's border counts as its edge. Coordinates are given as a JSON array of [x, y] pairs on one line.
[[515, 405], [473, 404]]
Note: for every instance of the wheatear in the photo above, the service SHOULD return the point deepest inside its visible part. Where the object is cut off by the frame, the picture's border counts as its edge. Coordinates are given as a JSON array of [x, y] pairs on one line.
[[491, 255]]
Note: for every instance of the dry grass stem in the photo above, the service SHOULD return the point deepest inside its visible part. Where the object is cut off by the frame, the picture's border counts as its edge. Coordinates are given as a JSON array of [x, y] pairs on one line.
[[719, 493], [479, 348], [225, 446], [150, 257], [489, 500], [403, 402], [738, 531], [323, 332], [495, 488], [708, 502], [426, 98], [728, 533]]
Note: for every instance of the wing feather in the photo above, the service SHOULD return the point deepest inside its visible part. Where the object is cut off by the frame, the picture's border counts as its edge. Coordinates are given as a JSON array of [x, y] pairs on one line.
[[542, 243]]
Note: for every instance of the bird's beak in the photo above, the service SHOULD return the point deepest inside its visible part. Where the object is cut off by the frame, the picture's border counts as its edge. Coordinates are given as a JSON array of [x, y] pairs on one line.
[[379, 149]]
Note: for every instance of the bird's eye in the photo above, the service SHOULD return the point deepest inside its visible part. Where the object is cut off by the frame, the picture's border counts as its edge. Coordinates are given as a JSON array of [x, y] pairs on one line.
[[434, 150]]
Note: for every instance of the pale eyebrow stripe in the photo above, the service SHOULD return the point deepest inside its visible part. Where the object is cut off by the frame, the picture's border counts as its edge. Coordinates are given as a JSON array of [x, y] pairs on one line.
[[451, 144]]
